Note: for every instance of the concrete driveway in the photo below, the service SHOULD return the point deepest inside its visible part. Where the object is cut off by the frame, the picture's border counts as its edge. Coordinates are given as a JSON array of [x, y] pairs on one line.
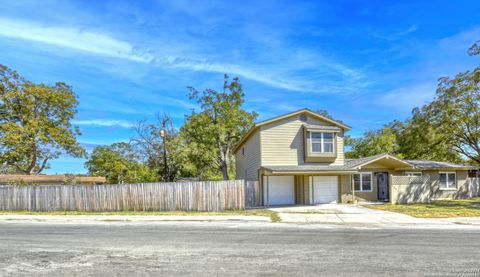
[[348, 214]]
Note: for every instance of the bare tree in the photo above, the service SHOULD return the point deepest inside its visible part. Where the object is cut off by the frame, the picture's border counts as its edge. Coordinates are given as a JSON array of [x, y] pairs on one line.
[[152, 142]]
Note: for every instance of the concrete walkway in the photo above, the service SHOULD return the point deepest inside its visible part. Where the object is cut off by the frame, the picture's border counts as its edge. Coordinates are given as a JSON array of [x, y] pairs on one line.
[[356, 215], [129, 218]]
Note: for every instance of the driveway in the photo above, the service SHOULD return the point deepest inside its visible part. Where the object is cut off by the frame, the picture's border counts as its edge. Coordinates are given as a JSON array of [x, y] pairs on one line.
[[348, 214]]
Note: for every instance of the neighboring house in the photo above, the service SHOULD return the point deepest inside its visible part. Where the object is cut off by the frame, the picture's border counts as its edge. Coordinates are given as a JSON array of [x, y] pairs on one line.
[[50, 179], [298, 158]]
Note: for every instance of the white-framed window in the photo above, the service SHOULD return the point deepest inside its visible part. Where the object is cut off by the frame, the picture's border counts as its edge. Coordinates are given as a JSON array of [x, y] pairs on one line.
[[322, 142], [413, 174], [448, 180], [362, 181]]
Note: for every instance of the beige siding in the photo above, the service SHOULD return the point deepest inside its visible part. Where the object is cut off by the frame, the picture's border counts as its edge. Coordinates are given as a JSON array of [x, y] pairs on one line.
[[248, 165], [460, 192], [283, 142], [429, 188], [302, 189], [346, 184]]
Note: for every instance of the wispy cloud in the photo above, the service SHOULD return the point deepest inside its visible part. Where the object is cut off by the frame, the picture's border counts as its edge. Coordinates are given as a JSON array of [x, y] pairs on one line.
[[408, 97], [395, 35], [73, 38], [104, 122], [274, 75]]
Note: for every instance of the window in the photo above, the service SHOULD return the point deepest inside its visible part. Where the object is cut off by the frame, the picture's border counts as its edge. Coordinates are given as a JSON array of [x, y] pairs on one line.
[[448, 180], [413, 174], [243, 151], [362, 181], [322, 142]]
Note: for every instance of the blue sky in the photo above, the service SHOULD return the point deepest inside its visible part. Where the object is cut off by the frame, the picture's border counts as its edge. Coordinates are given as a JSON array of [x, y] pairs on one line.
[[366, 62]]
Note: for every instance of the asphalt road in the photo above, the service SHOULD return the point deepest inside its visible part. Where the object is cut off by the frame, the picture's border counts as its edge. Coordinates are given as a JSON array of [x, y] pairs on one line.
[[41, 249]]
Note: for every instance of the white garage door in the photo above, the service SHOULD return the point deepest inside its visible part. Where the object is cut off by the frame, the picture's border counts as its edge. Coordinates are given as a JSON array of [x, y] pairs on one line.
[[281, 190], [325, 189]]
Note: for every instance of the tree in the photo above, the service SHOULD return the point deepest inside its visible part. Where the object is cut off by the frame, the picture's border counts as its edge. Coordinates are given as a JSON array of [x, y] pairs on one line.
[[119, 163], [35, 123], [217, 127], [447, 129], [373, 143], [455, 110], [416, 138], [419, 138], [157, 152]]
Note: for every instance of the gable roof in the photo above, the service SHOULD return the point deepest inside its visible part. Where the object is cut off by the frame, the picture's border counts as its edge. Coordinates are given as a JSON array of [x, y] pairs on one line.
[[280, 117], [358, 163]]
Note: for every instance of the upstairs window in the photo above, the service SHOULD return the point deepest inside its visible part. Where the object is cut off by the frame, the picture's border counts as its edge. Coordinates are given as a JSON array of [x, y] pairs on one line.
[[321, 142]]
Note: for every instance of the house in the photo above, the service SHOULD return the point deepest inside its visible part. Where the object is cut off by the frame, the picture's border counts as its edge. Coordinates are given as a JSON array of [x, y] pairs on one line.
[[50, 179], [298, 158]]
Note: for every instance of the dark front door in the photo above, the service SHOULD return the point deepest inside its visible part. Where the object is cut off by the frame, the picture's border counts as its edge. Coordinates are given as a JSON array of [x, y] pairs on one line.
[[382, 186]]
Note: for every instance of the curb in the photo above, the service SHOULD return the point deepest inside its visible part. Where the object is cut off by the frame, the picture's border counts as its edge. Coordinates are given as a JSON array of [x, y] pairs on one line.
[[129, 219]]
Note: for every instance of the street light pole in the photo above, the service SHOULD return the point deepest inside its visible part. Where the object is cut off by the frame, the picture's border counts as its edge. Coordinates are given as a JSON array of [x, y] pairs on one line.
[[163, 135]]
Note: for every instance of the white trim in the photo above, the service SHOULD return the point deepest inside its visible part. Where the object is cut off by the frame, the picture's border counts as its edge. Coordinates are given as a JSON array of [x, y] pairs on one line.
[[352, 182], [447, 187]]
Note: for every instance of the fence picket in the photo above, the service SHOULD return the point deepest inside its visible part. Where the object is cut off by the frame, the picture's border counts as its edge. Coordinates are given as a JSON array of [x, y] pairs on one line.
[[187, 196]]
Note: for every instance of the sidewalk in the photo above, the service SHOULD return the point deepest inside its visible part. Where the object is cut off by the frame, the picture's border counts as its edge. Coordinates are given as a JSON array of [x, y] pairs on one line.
[[129, 218], [355, 215]]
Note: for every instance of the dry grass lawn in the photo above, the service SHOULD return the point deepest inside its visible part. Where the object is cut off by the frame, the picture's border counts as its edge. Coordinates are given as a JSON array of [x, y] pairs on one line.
[[436, 209]]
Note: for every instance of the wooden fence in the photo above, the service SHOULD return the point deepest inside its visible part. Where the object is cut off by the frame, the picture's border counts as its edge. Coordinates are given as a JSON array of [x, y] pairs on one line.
[[252, 194], [184, 196]]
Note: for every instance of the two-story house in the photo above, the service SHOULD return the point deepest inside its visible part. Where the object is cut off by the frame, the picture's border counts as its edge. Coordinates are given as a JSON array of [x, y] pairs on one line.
[[298, 158]]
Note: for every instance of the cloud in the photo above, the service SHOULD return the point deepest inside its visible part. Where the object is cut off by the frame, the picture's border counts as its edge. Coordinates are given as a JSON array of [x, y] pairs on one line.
[[73, 38], [408, 97], [104, 122], [286, 74], [395, 35], [445, 57]]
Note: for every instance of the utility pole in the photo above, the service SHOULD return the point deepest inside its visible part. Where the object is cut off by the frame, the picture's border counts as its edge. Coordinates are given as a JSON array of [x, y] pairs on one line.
[[163, 135]]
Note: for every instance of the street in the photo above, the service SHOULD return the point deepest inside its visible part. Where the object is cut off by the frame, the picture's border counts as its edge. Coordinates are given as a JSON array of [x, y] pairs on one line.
[[196, 249]]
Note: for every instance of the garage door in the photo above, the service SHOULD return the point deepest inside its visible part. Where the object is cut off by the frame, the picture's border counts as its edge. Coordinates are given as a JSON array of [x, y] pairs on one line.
[[325, 189], [281, 190]]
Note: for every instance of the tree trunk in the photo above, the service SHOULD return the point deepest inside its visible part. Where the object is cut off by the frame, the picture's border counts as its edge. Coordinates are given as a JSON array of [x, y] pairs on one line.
[[224, 169], [31, 167]]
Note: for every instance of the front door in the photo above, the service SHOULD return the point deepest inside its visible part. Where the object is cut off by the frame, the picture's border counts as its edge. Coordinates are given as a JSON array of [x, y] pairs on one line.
[[382, 186]]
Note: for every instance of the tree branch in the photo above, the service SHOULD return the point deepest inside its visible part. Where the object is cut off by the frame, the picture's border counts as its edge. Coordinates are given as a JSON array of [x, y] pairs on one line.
[[42, 167]]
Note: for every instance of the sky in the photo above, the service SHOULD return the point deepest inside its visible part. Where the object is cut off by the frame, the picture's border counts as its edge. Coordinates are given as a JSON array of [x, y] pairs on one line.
[[365, 62]]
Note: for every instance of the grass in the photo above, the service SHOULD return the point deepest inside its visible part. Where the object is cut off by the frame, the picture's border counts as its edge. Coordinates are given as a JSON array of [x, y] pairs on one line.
[[436, 209], [249, 212]]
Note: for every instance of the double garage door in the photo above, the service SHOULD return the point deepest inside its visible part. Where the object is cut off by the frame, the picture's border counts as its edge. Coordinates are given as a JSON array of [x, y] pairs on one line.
[[281, 190]]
